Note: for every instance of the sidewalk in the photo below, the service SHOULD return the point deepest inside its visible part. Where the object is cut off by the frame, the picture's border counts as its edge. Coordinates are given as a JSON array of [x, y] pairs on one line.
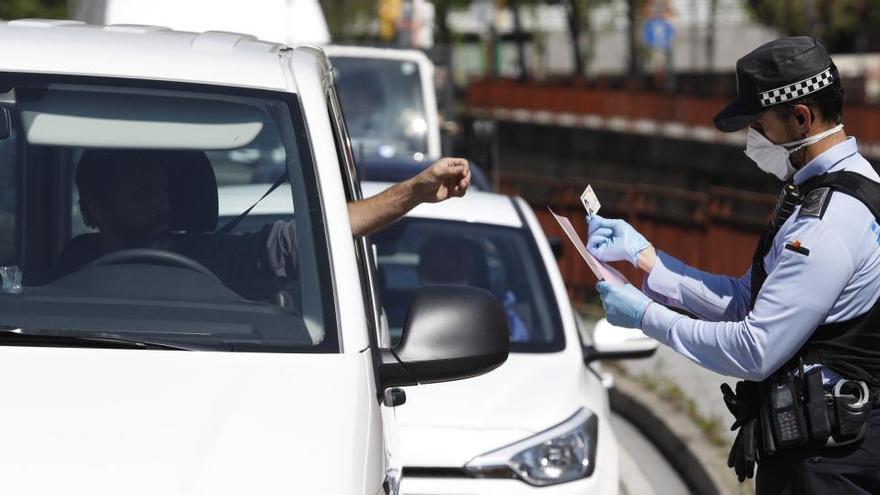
[[700, 461]]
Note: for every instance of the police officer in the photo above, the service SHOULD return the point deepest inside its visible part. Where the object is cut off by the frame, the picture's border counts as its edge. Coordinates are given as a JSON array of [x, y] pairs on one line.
[[802, 326]]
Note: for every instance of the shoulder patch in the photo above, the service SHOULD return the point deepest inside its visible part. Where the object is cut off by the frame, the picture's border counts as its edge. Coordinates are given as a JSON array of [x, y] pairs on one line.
[[815, 202]]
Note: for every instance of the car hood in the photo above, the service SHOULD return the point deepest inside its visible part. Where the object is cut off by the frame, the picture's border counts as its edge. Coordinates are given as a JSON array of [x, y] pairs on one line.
[[448, 424], [134, 421]]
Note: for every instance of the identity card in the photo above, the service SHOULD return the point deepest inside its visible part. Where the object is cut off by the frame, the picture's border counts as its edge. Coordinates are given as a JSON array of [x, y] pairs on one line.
[[590, 201]]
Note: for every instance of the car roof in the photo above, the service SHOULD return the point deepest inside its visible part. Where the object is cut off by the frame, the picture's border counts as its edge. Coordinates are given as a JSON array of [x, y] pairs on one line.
[[374, 52], [474, 207], [140, 52]]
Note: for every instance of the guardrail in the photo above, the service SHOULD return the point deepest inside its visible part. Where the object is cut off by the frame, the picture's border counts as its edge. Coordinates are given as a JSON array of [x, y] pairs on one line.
[[680, 116], [716, 230]]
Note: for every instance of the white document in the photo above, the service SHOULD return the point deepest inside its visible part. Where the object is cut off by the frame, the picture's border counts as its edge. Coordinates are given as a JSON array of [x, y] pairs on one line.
[[599, 269]]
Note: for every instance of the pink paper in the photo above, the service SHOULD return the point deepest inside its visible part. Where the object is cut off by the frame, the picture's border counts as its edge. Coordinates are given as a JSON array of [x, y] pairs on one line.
[[601, 270]]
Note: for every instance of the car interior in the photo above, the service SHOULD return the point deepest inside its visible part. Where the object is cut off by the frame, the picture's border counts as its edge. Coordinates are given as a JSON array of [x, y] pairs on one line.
[[175, 291], [416, 252]]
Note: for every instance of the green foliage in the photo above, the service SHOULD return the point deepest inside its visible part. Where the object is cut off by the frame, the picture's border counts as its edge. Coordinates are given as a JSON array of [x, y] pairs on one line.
[[842, 25], [46, 9], [344, 15]]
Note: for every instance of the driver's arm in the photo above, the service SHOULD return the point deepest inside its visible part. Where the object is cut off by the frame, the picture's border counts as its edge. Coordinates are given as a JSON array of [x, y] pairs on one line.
[[446, 178]]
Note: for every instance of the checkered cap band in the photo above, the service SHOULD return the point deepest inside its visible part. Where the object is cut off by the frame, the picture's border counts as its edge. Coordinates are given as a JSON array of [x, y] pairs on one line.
[[798, 89]]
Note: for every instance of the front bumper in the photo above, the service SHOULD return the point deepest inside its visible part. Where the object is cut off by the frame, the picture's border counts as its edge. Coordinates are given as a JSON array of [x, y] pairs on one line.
[[596, 484]]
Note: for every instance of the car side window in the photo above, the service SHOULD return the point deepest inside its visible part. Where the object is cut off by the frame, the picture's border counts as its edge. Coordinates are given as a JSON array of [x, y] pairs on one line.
[[8, 200]]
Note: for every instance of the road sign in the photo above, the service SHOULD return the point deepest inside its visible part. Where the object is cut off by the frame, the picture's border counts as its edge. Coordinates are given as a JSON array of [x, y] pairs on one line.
[[658, 33]]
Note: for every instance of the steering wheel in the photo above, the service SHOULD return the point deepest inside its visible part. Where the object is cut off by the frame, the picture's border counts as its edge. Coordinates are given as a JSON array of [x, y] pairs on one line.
[[145, 256]]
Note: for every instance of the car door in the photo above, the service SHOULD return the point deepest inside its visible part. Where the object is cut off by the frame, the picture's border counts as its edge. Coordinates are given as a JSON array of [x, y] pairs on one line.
[[368, 276]]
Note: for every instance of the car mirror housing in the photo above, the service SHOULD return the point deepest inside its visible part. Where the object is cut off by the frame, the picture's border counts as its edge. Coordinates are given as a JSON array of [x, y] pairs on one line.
[[613, 342], [450, 333]]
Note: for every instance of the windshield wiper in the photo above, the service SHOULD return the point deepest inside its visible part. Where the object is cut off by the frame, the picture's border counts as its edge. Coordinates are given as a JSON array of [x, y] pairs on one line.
[[18, 336]]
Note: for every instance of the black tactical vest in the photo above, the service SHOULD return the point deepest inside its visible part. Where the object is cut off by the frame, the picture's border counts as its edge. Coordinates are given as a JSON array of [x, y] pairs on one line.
[[852, 347]]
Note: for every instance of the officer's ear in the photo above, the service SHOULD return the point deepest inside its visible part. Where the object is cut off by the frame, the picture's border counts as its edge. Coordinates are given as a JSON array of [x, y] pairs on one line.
[[803, 117]]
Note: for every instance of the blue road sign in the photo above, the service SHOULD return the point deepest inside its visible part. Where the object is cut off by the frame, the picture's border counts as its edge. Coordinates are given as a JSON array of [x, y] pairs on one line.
[[658, 33]]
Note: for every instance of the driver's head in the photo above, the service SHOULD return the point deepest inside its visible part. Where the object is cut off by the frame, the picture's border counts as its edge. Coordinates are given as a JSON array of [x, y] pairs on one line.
[[124, 194]]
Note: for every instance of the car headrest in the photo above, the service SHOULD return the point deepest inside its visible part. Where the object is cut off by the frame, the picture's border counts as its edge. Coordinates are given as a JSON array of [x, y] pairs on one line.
[[193, 191], [192, 187], [451, 259]]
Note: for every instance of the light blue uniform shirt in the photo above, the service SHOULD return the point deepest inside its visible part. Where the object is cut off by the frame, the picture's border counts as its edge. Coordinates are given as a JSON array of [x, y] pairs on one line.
[[837, 281]]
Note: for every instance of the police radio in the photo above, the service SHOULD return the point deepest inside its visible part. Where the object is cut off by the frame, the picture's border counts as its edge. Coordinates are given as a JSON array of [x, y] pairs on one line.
[[786, 412]]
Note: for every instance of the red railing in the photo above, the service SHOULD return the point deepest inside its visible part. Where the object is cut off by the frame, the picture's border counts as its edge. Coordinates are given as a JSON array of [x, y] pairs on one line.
[[863, 121]]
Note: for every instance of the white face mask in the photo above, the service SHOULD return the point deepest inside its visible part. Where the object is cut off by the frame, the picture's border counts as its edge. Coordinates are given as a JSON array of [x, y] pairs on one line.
[[773, 158]]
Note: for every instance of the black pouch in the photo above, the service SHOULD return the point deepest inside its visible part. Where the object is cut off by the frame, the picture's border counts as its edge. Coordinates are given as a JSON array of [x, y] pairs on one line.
[[851, 408], [818, 412]]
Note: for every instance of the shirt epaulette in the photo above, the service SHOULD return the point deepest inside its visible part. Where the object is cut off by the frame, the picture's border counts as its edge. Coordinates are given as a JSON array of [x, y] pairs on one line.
[[815, 203]]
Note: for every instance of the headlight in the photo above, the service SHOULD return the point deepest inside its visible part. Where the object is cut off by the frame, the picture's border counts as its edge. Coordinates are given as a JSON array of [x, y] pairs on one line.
[[565, 452]]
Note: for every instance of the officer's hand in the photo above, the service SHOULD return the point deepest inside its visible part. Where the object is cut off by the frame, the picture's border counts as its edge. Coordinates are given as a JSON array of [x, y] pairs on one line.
[[446, 178], [614, 240], [624, 304]]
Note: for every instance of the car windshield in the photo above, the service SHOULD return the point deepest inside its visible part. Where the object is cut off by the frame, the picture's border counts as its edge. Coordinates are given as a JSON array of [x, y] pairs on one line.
[[383, 105], [109, 217], [505, 261]]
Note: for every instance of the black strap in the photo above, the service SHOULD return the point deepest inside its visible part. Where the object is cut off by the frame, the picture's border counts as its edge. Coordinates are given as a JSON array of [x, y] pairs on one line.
[[788, 199], [852, 184], [226, 229]]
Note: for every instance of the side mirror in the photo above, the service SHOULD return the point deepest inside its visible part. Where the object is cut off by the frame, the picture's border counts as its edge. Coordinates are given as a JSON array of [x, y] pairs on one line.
[[555, 245], [450, 332], [613, 342]]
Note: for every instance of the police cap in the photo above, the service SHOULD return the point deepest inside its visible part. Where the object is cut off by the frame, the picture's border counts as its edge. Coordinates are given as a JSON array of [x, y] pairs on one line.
[[774, 73]]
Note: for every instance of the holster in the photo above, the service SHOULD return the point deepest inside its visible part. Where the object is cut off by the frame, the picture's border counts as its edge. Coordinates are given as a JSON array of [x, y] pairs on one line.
[[813, 415]]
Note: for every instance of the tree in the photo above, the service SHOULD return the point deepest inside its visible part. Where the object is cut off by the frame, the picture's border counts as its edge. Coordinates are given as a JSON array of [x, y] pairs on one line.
[[343, 15], [578, 14], [842, 25], [46, 9]]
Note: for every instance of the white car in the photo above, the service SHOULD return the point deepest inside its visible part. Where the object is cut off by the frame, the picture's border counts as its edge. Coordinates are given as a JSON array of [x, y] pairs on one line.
[[221, 363], [540, 422]]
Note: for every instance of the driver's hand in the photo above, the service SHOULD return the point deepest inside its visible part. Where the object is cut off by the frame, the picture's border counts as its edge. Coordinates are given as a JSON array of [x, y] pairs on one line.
[[446, 178]]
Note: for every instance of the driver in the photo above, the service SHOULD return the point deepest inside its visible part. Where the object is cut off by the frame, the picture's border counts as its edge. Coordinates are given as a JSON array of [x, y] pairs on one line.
[[468, 267], [124, 194]]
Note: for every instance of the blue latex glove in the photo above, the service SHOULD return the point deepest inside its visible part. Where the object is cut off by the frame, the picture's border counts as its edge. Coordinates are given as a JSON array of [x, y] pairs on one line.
[[624, 304], [614, 240]]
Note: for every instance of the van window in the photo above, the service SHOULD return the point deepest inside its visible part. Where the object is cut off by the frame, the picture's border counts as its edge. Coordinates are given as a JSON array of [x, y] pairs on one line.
[[384, 107], [124, 191]]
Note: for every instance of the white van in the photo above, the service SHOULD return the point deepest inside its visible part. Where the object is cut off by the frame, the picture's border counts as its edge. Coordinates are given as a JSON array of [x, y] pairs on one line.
[[389, 101], [291, 22], [147, 371]]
